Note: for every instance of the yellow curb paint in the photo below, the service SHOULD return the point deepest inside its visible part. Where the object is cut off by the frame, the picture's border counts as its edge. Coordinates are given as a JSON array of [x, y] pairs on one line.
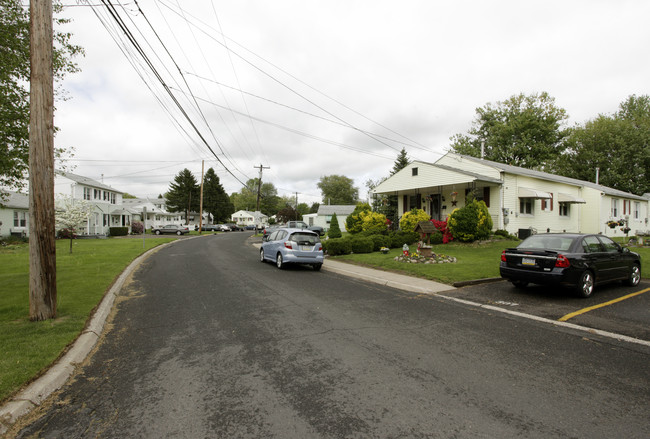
[[591, 308]]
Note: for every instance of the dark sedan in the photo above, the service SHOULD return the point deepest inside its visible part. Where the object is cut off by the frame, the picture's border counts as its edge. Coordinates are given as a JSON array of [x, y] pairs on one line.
[[577, 261], [171, 229]]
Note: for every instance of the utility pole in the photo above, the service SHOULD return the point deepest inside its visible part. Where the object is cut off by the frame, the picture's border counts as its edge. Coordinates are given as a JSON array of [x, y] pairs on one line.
[[259, 185], [296, 206], [42, 246], [201, 200]]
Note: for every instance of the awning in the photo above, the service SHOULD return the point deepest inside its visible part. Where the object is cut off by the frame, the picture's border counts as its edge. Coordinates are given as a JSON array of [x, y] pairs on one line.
[[566, 198], [524, 192]]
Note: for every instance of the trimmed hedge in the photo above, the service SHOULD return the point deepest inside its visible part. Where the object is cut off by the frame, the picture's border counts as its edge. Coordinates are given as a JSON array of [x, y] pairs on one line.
[[337, 246], [361, 245], [118, 231], [398, 239], [379, 241]]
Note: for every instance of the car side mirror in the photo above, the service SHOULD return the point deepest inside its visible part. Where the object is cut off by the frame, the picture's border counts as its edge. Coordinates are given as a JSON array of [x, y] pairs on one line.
[[625, 250], [265, 238]]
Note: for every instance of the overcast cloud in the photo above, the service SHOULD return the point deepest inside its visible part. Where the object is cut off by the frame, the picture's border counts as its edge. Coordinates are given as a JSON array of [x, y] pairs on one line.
[[316, 77]]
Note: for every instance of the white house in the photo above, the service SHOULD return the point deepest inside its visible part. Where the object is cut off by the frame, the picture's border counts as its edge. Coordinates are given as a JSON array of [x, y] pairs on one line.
[[323, 217], [154, 209], [14, 216], [518, 199], [108, 210], [246, 218]]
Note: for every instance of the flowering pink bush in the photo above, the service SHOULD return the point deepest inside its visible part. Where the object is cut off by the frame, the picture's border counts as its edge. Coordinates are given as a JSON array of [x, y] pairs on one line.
[[442, 228]]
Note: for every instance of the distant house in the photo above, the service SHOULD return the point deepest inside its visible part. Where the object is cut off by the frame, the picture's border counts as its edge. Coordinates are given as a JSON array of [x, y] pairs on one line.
[[519, 200], [14, 216], [246, 218], [323, 217], [152, 211]]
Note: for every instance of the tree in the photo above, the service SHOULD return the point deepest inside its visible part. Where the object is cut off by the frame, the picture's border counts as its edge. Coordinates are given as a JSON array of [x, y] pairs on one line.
[[618, 145], [14, 86], [526, 131], [335, 229], [287, 214], [246, 198], [71, 214], [337, 189], [215, 200], [183, 194], [314, 208], [401, 162]]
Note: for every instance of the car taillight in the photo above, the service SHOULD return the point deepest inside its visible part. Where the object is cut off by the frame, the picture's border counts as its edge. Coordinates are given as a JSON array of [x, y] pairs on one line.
[[503, 256], [287, 244], [320, 248], [562, 262]]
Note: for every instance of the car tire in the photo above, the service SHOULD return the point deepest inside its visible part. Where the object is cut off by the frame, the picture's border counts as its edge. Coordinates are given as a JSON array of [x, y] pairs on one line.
[[279, 262], [317, 267], [262, 255], [157, 232], [586, 284], [521, 284], [179, 233], [635, 276]]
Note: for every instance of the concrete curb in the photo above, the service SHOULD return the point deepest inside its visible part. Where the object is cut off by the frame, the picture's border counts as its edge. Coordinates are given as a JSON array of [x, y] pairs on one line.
[[59, 373]]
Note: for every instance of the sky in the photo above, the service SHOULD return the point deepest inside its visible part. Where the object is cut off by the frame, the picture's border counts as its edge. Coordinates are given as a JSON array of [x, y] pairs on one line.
[[311, 88]]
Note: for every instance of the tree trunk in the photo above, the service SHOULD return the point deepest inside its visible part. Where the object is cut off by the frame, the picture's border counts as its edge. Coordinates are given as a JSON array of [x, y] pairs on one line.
[[42, 245]]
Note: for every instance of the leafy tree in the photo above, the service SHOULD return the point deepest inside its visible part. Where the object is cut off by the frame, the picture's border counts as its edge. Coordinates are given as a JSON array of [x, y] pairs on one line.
[[401, 162], [246, 198], [71, 214], [183, 194], [471, 222], [337, 189], [619, 145], [411, 219], [384, 204], [354, 222], [14, 86], [314, 208], [526, 131], [302, 208], [215, 200], [287, 214], [335, 229], [127, 195]]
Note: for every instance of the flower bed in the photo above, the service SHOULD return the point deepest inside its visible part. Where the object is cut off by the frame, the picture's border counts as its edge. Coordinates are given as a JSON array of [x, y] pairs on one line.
[[416, 258]]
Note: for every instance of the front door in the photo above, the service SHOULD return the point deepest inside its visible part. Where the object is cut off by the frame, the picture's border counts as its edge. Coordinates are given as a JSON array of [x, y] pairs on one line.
[[435, 207]]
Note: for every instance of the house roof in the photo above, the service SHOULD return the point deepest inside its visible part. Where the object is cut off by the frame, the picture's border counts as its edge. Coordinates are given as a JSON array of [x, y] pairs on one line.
[[87, 181], [15, 200], [339, 209]]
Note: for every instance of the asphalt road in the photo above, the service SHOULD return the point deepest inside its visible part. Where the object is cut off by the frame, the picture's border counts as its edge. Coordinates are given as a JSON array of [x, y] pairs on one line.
[[209, 342]]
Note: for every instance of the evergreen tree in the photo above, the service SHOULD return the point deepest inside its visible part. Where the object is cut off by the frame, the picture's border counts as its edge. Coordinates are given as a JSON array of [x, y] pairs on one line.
[[335, 229], [401, 162], [215, 200], [183, 194]]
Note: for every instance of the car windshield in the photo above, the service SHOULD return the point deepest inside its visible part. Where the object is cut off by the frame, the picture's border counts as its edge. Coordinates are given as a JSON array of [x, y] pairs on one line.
[[547, 242], [305, 238]]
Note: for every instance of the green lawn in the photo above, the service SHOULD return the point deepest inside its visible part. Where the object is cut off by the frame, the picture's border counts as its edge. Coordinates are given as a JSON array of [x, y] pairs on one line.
[[27, 348], [475, 261]]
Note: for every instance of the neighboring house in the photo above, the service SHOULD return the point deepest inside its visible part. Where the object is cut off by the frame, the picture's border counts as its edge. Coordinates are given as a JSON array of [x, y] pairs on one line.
[[157, 214], [518, 199], [323, 217], [14, 216], [246, 218], [108, 210]]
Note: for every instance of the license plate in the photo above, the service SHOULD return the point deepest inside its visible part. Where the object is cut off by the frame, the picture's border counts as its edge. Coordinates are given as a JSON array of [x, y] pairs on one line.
[[527, 261], [305, 248]]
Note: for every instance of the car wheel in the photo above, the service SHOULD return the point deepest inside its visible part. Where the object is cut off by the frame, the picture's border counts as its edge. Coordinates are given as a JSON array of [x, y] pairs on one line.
[[157, 232], [262, 255], [635, 276], [179, 233], [317, 267], [279, 262], [586, 284], [520, 283]]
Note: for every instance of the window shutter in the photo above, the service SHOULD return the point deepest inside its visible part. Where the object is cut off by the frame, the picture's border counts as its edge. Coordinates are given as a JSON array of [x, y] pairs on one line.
[[551, 201], [624, 206]]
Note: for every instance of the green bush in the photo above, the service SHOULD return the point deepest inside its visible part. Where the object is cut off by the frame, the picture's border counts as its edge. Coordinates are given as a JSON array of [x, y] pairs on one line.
[[471, 222], [505, 235], [436, 238], [337, 246], [118, 231], [361, 245], [379, 241], [137, 227], [412, 218], [372, 221], [335, 229], [398, 239], [354, 222]]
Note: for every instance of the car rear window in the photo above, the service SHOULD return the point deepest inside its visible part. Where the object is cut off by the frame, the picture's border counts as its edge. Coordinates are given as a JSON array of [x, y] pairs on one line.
[[305, 238], [547, 242]]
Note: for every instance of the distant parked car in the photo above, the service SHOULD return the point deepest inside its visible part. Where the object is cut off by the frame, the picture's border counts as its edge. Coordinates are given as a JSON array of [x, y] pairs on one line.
[[210, 228], [171, 229], [250, 227], [234, 227], [303, 225], [578, 261], [223, 227], [292, 246]]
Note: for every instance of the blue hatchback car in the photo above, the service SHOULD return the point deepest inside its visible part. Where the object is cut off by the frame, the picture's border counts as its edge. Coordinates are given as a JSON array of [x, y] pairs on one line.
[[292, 246]]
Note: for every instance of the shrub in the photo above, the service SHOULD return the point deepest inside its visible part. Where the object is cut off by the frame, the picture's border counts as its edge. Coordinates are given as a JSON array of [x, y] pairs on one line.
[[398, 239], [337, 246], [137, 227], [412, 218], [118, 231], [354, 223], [471, 222], [361, 245], [505, 234], [437, 238], [372, 221], [379, 241], [335, 229], [66, 234], [446, 235]]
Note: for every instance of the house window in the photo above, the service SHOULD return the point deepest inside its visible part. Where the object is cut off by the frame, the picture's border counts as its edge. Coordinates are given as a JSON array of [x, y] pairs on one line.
[[526, 206], [20, 219], [106, 219], [565, 209], [87, 193], [637, 209], [414, 172], [547, 204], [112, 198], [614, 211], [328, 219], [97, 194]]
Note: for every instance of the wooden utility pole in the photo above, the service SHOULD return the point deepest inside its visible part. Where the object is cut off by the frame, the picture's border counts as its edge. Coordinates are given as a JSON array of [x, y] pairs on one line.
[[42, 246], [201, 200], [259, 185]]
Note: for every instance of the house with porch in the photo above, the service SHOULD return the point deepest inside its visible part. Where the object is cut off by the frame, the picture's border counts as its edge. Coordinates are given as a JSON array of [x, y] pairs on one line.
[[245, 218], [151, 211], [519, 200], [14, 215]]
